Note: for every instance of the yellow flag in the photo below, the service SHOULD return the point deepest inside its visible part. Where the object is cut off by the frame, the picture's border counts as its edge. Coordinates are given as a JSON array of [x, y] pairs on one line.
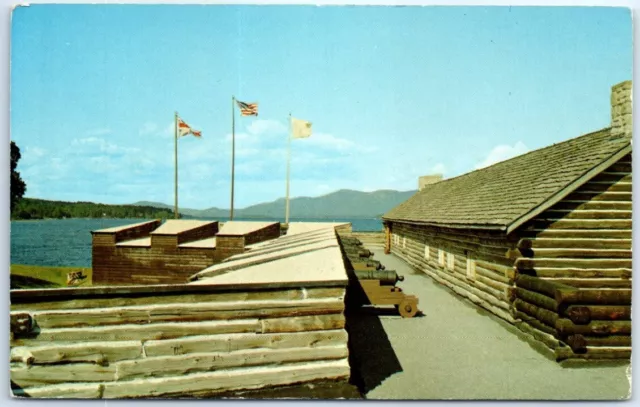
[[300, 128]]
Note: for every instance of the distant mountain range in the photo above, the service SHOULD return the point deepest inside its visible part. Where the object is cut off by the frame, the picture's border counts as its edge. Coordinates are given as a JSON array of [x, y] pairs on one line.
[[344, 203]]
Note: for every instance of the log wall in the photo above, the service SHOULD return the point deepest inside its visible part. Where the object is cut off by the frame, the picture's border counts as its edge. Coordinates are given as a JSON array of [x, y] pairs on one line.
[[175, 344], [575, 271], [471, 263]]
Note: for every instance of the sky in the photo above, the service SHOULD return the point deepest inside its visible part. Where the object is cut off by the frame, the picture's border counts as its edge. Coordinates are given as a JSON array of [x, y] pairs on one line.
[[393, 93]]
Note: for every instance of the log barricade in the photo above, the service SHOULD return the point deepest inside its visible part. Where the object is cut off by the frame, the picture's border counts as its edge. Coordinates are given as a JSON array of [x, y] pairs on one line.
[[175, 341], [587, 324]]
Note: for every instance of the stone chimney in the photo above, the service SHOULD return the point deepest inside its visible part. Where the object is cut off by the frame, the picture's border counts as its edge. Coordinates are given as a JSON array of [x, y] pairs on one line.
[[621, 109], [427, 180]]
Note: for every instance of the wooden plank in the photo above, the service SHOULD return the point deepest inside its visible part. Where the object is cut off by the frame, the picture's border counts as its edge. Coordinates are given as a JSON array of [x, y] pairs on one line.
[[232, 379], [603, 205], [139, 332], [607, 186], [88, 352], [580, 253], [32, 376], [567, 327], [593, 352], [599, 312], [585, 195], [537, 299], [38, 295], [570, 243], [541, 314], [592, 282], [579, 233], [298, 324], [162, 366], [532, 264], [590, 214], [539, 335], [183, 312], [558, 272], [158, 298], [64, 391], [234, 342], [593, 297], [591, 224]]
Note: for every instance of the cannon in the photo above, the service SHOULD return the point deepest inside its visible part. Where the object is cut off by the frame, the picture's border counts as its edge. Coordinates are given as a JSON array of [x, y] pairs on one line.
[[386, 277], [374, 285]]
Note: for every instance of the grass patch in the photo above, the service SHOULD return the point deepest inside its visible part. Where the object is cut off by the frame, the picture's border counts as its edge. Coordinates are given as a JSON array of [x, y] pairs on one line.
[[26, 276]]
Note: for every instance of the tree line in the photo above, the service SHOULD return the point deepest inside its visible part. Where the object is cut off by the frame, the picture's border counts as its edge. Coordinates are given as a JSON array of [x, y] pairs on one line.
[[30, 208]]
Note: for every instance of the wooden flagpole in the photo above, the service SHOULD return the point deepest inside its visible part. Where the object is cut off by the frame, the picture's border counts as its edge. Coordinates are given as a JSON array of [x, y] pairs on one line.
[[233, 150], [175, 155], [286, 210]]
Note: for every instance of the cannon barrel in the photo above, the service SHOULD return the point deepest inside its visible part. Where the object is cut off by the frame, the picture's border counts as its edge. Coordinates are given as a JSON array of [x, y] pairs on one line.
[[367, 264], [359, 252], [386, 277]]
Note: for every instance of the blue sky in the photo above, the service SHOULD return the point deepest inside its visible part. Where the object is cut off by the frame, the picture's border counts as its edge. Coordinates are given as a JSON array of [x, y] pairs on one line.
[[393, 93]]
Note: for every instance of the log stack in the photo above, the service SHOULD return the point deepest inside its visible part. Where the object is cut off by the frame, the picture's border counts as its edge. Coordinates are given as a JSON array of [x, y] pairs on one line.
[[574, 322]]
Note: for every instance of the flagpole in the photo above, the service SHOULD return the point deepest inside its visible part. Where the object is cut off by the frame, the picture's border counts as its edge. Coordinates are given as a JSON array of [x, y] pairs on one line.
[[175, 156], [233, 150], [286, 211]]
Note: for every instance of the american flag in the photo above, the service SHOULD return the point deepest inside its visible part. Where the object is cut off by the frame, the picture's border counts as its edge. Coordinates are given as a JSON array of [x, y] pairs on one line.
[[184, 129], [248, 109]]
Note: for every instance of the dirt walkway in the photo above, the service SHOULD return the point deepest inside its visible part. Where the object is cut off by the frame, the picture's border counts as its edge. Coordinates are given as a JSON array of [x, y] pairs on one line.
[[457, 351]]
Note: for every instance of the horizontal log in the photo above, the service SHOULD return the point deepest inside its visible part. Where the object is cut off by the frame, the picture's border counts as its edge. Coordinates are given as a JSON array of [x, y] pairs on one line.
[[299, 324], [65, 391], [591, 224], [600, 234], [139, 332], [183, 312], [535, 323], [541, 336], [532, 264], [566, 327], [587, 214], [538, 285], [541, 314], [162, 366], [593, 352], [578, 243], [493, 275], [608, 341], [150, 298], [537, 299], [583, 273], [102, 353], [585, 195], [593, 297], [225, 380], [590, 205], [592, 282], [607, 186], [587, 313], [21, 323], [234, 342], [497, 268], [32, 376], [579, 253], [621, 167], [493, 305]]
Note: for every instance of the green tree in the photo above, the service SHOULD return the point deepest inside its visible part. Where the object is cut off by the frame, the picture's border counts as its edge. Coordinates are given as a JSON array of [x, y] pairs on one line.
[[18, 186]]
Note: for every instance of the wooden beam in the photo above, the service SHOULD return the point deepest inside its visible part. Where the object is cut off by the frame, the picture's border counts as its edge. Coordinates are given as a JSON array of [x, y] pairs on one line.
[[566, 327], [163, 366], [299, 324], [541, 314], [63, 391], [242, 378], [101, 353], [34, 376], [537, 299], [585, 313], [593, 297]]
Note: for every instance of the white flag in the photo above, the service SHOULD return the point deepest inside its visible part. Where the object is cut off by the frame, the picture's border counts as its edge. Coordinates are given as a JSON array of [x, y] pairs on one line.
[[300, 128]]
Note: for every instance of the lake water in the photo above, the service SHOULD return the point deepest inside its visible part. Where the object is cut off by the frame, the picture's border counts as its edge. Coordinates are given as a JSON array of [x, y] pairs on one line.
[[67, 242]]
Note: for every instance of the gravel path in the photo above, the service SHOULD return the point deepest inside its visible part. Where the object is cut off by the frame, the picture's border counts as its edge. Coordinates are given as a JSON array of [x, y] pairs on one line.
[[457, 351]]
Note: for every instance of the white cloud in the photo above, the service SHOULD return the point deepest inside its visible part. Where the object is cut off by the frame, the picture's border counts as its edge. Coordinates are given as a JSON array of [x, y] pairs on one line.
[[503, 152], [266, 127], [148, 128]]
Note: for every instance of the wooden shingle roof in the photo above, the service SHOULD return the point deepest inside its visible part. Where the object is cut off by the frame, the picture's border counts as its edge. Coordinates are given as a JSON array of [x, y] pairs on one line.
[[506, 194]]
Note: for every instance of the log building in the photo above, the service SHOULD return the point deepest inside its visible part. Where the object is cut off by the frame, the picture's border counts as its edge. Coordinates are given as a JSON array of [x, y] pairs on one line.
[[273, 316], [155, 253], [542, 240]]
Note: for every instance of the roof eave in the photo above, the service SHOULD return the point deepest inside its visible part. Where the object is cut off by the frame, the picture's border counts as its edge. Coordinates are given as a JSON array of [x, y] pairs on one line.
[[448, 225], [560, 195]]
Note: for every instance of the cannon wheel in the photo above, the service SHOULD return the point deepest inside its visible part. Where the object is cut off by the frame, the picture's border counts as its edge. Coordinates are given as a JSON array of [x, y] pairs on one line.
[[407, 308]]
